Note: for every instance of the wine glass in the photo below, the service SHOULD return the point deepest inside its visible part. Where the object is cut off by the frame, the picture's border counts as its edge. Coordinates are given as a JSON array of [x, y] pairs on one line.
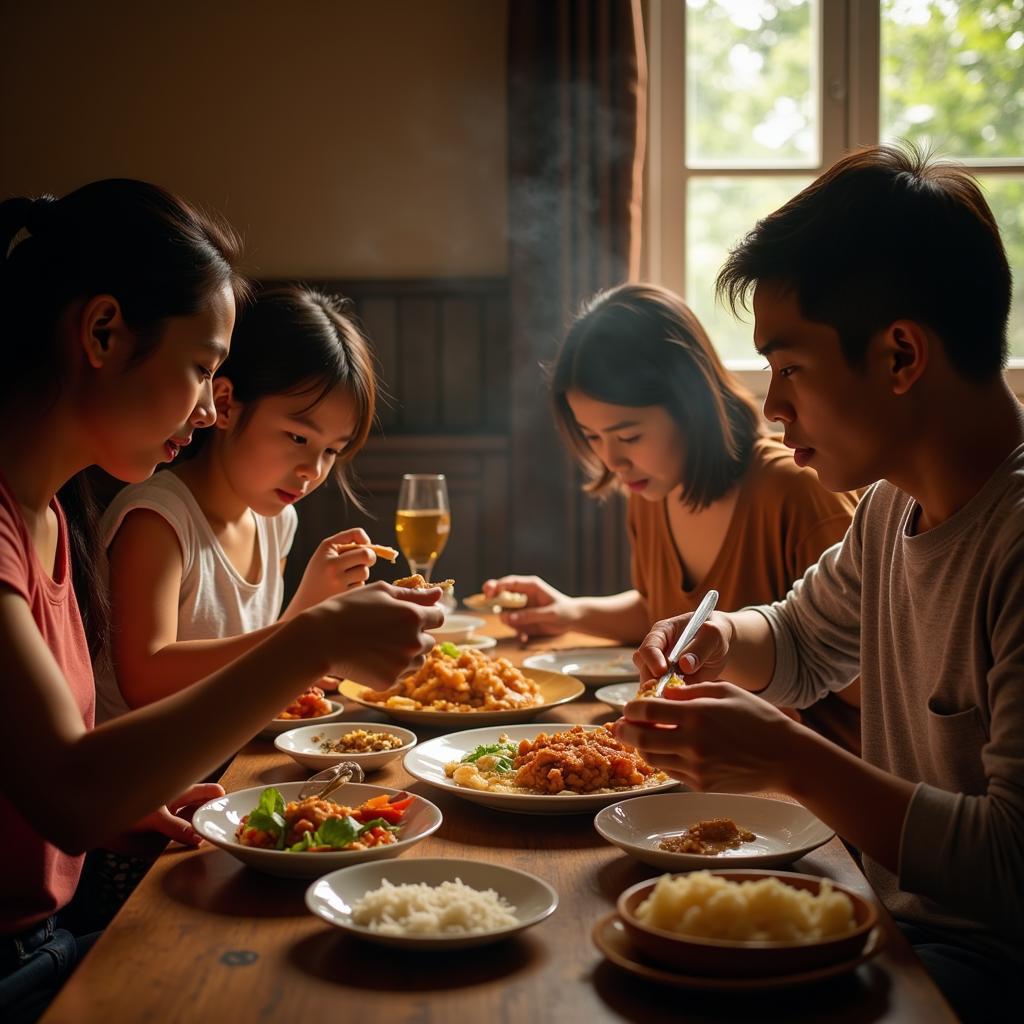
[[423, 520]]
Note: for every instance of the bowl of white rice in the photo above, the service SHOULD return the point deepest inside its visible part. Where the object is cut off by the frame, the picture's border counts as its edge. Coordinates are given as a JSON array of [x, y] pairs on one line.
[[431, 902], [746, 923]]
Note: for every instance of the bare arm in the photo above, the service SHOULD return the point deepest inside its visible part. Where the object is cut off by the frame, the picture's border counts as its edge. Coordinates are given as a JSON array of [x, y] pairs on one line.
[[549, 612], [145, 584], [86, 785]]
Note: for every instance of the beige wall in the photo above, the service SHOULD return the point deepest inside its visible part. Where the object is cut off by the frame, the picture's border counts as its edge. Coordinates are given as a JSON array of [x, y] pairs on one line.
[[353, 138]]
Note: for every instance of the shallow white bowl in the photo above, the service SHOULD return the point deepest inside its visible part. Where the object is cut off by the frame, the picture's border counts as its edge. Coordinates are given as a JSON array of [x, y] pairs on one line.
[[218, 819], [455, 629], [426, 763], [276, 726], [783, 831], [594, 665], [303, 745], [617, 696], [332, 897]]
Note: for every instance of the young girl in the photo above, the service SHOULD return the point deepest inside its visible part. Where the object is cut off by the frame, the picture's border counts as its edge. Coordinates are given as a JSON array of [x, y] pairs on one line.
[[647, 407], [119, 300], [197, 552]]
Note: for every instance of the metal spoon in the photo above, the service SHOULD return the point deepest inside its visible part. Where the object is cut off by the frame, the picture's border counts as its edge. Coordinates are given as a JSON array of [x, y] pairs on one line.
[[330, 779], [704, 609]]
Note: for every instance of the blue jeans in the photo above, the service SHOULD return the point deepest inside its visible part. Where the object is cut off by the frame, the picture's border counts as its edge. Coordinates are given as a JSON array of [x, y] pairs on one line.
[[978, 987], [33, 967]]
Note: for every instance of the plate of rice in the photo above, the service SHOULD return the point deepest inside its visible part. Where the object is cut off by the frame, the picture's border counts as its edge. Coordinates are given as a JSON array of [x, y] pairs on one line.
[[536, 769], [459, 681], [431, 902]]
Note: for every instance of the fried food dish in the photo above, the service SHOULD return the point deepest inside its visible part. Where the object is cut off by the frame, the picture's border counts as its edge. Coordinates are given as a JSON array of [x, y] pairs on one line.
[[575, 760], [310, 704], [417, 582], [380, 550], [708, 838], [463, 681]]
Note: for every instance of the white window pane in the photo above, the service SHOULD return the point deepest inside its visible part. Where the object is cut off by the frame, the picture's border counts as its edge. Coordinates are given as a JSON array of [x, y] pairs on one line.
[[953, 75], [1005, 194], [752, 83], [719, 212]]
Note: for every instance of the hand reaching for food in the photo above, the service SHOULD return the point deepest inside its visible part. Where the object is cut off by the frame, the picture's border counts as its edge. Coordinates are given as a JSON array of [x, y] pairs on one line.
[[373, 634], [340, 562], [548, 612]]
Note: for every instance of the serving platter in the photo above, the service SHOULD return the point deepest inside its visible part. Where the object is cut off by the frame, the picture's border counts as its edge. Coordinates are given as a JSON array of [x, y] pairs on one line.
[[555, 689]]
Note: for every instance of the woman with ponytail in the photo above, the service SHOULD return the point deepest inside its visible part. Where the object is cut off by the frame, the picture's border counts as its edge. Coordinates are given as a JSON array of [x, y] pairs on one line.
[[119, 301]]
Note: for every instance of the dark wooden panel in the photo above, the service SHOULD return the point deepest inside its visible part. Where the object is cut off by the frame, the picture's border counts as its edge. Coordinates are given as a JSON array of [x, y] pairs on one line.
[[419, 391], [380, 321], [462, 340]]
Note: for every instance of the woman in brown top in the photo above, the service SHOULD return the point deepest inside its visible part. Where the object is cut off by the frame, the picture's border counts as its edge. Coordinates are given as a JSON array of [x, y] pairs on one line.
[[648, 408]]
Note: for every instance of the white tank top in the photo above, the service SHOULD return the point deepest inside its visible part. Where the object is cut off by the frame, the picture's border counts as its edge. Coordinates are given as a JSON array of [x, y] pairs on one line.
[[215, 600]]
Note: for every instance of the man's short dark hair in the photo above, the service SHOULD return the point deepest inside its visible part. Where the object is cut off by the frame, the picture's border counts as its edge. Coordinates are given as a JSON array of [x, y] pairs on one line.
[[887, 234]]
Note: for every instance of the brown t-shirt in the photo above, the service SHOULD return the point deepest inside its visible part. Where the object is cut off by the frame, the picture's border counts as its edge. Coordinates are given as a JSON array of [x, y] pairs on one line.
[[782, 522], [37, 878]]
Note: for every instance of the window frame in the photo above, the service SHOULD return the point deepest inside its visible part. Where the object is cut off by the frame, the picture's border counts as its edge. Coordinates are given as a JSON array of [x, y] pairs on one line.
[[849, 52]]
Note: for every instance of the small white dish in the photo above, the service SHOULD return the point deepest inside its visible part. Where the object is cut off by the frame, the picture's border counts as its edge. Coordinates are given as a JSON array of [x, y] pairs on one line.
[[303, 745], [276, 726], [591, 665], [456, 629], [618, 695], [332, 897], [479, 642], [218, 819], [783, 831], [426, 763]]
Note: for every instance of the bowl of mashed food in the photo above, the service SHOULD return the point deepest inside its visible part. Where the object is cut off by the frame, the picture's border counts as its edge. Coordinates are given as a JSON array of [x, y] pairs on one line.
[[746, 923]]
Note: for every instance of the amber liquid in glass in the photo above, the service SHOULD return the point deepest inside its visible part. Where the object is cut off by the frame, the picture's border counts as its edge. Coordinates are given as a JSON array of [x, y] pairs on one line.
[[422, 534]]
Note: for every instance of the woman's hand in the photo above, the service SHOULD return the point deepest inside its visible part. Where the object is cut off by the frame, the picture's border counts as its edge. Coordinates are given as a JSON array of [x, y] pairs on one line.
[[329, 571], [374, 634], [712, 737], [704, 658], [174, 819], [548, 612]]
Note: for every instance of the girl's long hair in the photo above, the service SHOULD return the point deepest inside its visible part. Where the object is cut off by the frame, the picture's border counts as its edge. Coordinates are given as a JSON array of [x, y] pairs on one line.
[[159, 256]]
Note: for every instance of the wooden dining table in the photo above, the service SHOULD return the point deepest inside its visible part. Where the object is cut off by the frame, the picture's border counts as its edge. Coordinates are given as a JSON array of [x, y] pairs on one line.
[[204, 938]]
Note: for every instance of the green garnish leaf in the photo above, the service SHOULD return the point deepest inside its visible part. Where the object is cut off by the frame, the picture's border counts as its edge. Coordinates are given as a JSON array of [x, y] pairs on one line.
[[378, 822], [450, 649], [338, 832], [504, 753], [268, 815]]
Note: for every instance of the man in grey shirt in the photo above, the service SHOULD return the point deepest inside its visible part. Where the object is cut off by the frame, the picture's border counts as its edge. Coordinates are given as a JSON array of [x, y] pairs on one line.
[[881, 295]]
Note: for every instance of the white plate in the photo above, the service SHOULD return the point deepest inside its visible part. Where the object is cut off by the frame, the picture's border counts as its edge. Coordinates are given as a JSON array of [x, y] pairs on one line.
[[332, 897], [593, 665], [303, 745], [783, 831], [276, 726], [617, 696], [479, 642], [456, 629], [218, 819], [426, 763]]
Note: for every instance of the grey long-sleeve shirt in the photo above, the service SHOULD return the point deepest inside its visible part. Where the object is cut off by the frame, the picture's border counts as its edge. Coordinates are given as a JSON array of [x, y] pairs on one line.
[[934, 625]]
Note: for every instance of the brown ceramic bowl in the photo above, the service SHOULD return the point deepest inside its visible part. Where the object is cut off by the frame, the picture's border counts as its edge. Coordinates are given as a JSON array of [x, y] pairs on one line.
[[720, 957]]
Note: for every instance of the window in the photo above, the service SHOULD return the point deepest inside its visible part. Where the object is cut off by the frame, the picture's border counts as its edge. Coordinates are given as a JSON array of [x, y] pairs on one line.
[[751, 99]]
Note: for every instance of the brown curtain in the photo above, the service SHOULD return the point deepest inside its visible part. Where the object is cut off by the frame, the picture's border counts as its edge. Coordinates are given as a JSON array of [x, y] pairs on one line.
[[576, 132]]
